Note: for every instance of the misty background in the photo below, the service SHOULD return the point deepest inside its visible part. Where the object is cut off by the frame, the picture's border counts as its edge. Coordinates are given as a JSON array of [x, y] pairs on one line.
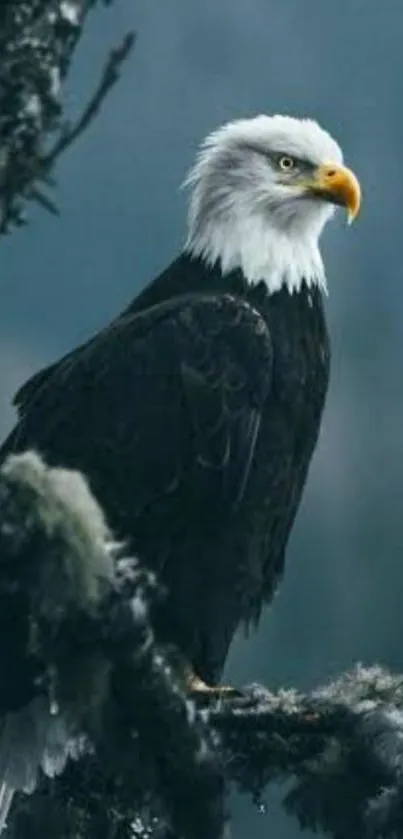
[[123, 219]]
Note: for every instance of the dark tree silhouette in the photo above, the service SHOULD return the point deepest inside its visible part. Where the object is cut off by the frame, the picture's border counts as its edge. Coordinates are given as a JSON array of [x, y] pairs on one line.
[[38, 39]]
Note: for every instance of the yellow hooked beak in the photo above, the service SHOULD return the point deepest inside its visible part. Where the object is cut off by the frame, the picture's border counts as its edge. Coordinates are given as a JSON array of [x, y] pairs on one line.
[[338, 185]]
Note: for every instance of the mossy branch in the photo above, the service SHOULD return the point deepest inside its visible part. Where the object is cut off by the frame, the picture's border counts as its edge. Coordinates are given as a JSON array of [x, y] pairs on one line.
[[134, 753]]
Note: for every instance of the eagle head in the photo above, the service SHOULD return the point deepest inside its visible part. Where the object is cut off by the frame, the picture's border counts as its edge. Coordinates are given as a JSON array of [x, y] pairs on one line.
[[262, 190]]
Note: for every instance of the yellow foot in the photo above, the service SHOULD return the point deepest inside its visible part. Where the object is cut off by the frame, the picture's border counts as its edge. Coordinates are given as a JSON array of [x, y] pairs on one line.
[[199, 689]]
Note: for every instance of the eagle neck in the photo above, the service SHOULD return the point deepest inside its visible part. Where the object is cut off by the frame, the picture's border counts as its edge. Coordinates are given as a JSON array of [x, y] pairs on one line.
[[188, 274]]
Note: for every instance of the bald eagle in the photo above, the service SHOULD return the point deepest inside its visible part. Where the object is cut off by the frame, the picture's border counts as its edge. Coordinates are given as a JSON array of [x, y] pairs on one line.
[[195, 413]]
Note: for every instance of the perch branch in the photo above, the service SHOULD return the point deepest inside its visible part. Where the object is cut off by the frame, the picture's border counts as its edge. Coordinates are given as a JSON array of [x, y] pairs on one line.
[[135, 755]]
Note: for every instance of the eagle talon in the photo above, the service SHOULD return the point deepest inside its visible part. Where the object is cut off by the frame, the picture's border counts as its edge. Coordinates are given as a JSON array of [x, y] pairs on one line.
[[199, 689]]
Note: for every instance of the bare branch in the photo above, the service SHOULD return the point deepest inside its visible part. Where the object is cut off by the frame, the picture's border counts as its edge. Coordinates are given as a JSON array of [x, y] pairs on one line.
[[110, 75]]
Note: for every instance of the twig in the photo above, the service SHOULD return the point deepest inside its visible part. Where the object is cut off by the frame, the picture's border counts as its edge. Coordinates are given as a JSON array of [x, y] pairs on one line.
[[110, 75]]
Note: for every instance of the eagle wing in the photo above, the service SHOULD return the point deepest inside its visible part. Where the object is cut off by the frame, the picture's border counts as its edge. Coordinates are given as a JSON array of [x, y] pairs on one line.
[[161, 411]]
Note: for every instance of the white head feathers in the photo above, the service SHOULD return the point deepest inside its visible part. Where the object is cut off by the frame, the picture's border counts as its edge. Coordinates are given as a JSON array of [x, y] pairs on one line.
[[245, 212]]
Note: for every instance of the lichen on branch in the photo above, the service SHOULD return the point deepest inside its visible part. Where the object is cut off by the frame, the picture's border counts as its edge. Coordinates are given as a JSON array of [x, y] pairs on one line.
[[135, 754]]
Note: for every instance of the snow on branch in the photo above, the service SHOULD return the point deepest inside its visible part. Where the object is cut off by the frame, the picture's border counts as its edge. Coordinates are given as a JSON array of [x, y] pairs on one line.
[[98, 734], [37, 43]]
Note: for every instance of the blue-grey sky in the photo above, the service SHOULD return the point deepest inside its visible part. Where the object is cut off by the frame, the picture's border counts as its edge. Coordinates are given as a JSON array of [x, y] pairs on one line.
[[123, 219]]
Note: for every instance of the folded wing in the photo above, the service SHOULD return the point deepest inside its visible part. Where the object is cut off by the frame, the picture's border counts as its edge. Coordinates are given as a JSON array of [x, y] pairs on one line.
[[161, 410]]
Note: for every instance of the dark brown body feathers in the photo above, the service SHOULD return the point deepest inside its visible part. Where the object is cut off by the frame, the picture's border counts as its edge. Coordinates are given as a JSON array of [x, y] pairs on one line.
[[195, 415]]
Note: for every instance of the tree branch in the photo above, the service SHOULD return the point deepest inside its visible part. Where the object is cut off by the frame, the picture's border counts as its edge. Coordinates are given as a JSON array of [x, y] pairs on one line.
[[134, 755], [340, 746], [38, 39]]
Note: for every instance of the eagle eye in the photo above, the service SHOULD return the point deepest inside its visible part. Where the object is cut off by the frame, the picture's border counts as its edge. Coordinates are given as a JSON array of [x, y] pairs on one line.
[[287, 163]]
